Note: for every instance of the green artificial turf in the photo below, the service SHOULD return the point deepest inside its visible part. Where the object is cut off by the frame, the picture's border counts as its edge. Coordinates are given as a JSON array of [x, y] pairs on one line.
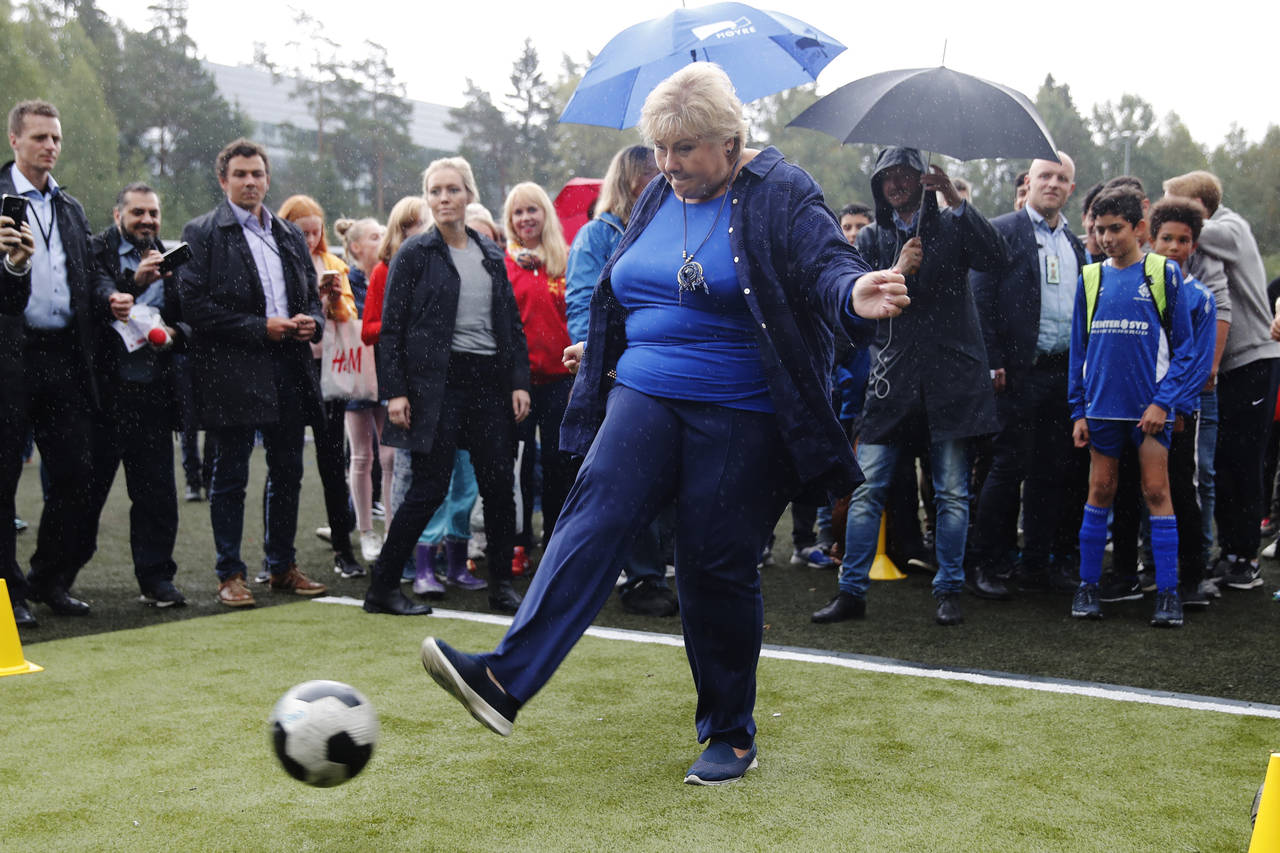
[[1231, 650], [155, 739]]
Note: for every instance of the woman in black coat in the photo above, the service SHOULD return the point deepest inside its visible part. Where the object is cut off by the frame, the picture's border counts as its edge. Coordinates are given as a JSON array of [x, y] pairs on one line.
[[454, 369]]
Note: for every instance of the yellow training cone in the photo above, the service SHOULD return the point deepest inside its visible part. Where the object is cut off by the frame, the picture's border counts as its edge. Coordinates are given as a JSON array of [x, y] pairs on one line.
[[882, 568], [11, 660], [1266, 829]]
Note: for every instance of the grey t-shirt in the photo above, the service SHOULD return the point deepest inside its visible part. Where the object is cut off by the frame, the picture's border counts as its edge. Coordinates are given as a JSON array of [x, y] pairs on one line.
[[473, 328]]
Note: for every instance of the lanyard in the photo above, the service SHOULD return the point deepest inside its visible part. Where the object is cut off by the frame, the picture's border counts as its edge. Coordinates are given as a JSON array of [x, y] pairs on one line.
[[47, 235], [264, 241]]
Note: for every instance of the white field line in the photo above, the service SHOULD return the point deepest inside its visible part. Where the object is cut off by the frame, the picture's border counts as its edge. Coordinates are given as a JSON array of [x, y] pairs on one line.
[[1071, 688]]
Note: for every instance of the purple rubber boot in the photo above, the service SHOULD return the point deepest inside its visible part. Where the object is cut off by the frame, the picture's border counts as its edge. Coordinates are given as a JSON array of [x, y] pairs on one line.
[[424, 581], [456, 551]]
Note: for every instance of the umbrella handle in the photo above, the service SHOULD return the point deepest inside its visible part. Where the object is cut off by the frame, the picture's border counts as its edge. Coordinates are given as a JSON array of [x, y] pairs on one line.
[[928, 164]]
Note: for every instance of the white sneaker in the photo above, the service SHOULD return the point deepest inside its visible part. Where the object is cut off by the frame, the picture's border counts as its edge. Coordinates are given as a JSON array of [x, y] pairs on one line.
[[370, 545], [1270, 550], [1209, 587], [325, 533]]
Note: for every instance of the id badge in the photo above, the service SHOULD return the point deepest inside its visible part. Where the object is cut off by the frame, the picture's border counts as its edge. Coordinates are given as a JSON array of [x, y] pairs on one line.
[[1052, 270]]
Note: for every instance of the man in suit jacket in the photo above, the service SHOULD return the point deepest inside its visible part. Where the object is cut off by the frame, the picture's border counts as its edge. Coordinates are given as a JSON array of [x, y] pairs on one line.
[[1026, 320], [138, 403], [18, 244], [249, 293], [59, 334]]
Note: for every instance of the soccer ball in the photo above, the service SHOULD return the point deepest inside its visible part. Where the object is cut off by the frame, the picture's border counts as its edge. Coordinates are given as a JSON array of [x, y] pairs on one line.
[[323, 732]]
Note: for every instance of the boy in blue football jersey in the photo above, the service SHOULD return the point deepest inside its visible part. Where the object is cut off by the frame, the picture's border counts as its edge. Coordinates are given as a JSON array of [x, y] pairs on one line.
[[1175, 230], [1132, 353]]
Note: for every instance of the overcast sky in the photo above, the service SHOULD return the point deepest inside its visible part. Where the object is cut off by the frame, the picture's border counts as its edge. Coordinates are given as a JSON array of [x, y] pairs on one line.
[[1102, 52]]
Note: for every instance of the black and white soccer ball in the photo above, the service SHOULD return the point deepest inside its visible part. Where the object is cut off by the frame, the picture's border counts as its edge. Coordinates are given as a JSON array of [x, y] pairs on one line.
[[323, 732]]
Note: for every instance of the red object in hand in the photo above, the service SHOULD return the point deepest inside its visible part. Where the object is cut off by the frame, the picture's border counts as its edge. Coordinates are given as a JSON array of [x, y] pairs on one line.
[[158, 336]]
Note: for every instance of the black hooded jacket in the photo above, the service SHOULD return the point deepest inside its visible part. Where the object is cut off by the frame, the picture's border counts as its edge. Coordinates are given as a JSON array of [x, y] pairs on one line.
[[936, 386]]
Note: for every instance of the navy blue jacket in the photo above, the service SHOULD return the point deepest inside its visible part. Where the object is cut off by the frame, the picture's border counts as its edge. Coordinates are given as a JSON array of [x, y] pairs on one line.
[[1009, 298], [112, 278], [797, 273], [73, 227], [419, 311], [222, 298], [14, 292]]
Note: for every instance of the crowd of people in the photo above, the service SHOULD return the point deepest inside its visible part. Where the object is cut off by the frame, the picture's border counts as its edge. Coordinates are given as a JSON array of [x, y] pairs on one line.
[[995, 399], [964, 407]]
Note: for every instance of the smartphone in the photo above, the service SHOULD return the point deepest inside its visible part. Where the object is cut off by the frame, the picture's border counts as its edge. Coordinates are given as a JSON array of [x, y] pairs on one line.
[[14, 207], [329, 278], [174, 258]]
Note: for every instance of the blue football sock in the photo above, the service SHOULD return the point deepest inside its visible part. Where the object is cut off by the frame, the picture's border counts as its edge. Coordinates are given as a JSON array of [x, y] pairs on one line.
[[1093, 542], [1164, 547]]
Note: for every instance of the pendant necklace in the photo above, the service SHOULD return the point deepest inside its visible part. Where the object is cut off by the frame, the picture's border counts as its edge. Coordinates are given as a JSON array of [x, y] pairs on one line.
[[689, 277]]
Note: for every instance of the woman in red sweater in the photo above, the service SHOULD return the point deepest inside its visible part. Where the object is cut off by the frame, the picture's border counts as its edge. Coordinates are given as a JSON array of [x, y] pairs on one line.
[[409, 216], [364, 424], [536, 260]]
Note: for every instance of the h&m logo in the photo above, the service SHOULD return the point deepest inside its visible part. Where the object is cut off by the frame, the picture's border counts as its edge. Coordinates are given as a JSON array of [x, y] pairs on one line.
[[346, 360]]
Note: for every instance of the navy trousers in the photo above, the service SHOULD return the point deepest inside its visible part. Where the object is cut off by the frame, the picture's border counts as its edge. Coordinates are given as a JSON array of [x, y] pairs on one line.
[[233, 447], [558, 468], [59, 408], [13, 435], [134, 431], [726, 471]]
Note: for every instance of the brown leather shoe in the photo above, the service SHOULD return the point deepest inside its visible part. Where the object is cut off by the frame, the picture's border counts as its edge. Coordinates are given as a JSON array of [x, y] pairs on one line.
[[233, 593], [296, 582]]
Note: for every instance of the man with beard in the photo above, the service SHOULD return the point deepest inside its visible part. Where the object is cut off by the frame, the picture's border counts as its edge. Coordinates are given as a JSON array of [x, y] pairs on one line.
[[138, 402]]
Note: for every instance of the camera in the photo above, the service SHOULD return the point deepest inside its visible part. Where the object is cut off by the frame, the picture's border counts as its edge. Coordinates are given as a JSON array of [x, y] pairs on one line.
[[174, 258]]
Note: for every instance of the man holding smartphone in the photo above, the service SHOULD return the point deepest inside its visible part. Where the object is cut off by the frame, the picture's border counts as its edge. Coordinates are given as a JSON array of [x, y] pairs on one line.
[[57, 391], [249, 293], [17, 244], [139, 408]]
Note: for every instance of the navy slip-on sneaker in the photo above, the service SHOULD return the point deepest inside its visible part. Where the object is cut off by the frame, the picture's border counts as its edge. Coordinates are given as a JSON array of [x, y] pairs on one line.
[[465, 678], [719, 765]]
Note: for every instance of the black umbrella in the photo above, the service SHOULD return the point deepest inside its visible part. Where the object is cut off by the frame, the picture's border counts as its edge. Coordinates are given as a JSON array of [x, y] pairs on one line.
[[933, 109]]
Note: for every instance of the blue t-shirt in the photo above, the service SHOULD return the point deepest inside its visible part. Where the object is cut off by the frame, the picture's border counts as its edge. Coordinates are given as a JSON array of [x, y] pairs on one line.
[[1125, 362], [1204, 334], [691, 345]]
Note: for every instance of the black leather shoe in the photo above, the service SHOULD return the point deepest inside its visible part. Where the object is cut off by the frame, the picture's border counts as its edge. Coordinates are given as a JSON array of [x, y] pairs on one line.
[[646, 598], [1063, 580], [981, 582], [61, 602], [949, 609], [345, 565], [844, 606], [395, 602], [22, 614], [503, 597]]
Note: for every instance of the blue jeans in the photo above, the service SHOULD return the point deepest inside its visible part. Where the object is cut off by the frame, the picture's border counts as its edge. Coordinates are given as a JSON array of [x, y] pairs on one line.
[[1206, 445], [233, 447], [950, 463], [453, 519]]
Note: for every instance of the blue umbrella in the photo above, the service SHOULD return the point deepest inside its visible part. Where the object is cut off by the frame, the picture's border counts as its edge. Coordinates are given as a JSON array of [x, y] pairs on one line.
[[762, 52]]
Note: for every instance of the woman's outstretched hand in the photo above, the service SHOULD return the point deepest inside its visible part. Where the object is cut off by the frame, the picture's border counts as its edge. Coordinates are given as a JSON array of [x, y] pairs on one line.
[[880, 294]]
